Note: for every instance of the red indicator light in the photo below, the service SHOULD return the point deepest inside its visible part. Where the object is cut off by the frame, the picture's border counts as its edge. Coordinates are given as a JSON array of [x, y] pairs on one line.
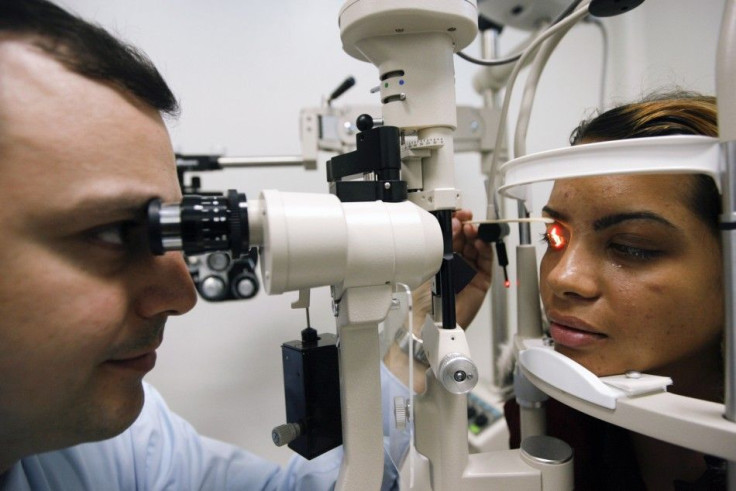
[[507, 283], [555, 238]]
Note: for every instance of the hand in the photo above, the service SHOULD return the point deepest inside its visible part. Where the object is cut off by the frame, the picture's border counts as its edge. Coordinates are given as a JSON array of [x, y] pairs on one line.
[[479, 255], [467, 303]]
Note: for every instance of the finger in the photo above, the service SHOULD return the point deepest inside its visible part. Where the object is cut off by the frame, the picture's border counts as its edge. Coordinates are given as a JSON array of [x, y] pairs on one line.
[[470, 253], [470, 299], [484, 260], [470, 231], [456, 226], [459, 241], [463, 215]]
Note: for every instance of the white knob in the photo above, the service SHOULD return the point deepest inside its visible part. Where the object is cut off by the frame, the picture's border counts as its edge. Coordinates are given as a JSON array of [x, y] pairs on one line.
[[400, 412], [286, 433]]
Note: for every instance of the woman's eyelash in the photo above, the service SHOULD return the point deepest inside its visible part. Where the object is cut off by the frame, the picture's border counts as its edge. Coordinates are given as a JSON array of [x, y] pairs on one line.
[[635, 252]]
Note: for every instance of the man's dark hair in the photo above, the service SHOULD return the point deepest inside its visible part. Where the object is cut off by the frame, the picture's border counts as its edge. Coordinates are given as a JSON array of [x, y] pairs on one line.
[[86, 49]]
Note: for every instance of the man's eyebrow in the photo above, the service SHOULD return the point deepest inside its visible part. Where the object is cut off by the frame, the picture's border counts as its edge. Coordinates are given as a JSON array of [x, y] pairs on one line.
[[127, 204], [615, 219]]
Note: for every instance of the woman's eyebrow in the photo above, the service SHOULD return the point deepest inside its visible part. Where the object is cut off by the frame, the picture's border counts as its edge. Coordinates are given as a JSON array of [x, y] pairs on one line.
[[553, 213], [611, 220], [614, 219]]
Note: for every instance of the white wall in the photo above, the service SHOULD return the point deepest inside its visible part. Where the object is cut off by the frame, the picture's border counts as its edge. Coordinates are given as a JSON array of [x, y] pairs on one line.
[[243, 69]]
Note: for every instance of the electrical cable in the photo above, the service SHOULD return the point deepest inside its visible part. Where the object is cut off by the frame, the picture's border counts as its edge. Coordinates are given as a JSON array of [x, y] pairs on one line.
[[604, 68], [530, 90], [512, 58], [571, 19]]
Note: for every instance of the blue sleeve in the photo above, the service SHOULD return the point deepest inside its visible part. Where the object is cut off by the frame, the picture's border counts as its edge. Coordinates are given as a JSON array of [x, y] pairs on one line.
[[161, 451], [177, 457]]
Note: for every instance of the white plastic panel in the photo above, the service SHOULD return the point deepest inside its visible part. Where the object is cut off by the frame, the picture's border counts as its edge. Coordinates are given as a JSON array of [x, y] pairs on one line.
[[655, 155], [561, 372]]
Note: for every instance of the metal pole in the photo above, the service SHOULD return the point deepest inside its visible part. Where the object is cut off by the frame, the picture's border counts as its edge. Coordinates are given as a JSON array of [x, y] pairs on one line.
[[265, 161], [499, 292], [728, 225], [726, 92]]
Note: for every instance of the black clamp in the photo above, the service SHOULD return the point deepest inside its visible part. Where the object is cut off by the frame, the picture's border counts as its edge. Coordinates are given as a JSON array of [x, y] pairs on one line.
[[378, 151]]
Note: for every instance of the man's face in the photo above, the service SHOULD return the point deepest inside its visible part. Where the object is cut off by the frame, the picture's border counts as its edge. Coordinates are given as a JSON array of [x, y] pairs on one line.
[[82, 301]]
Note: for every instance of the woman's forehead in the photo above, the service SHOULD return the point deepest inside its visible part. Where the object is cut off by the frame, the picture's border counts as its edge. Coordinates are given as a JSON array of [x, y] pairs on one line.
[[665, 188], [665, 194]]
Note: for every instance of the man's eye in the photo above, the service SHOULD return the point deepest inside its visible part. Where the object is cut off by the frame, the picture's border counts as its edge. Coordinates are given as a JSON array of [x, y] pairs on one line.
[[115, 234]]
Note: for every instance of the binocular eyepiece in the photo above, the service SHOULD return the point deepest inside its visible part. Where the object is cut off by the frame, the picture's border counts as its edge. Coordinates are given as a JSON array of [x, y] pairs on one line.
[[200, 224]]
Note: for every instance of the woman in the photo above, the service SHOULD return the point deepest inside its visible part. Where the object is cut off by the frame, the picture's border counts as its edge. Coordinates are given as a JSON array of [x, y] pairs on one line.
[[632, 280]]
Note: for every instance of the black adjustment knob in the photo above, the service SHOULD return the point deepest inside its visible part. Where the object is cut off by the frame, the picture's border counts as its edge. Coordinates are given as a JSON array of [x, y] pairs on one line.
[[492, 232], [364, 122], [309, 335], [481, 420]]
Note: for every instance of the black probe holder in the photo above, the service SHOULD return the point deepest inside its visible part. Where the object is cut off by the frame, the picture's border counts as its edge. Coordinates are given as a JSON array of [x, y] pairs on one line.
[[312, 392]]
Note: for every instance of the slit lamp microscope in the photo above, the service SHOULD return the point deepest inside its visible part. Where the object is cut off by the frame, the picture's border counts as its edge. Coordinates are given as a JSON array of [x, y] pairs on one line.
[[387, 221]]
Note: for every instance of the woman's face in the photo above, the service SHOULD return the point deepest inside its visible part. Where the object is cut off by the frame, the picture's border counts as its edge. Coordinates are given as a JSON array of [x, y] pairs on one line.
[[631, 279]]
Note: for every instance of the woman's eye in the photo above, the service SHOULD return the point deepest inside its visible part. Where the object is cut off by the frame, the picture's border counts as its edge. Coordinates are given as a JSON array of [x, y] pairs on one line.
[[555, 237], [633, 252]]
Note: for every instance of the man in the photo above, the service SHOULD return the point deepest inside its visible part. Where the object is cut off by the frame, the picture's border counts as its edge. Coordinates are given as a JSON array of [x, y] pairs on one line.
[[83, 303]]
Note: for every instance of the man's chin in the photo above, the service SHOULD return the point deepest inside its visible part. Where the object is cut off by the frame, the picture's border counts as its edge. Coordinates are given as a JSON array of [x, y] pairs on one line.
[[115, 414]]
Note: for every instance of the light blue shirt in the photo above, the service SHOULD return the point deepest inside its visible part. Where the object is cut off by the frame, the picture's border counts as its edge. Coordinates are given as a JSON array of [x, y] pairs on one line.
[[161, 451]]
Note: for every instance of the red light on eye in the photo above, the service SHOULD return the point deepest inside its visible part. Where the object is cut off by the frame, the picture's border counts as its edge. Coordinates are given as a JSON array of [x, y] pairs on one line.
[[556, 239]]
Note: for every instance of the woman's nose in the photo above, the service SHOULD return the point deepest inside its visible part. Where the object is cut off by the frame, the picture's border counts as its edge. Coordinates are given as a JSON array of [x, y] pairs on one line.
[[571, 272]]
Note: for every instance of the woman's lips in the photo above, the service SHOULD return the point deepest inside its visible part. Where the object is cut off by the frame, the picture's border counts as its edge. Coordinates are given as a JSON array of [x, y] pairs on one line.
[[573, 337]]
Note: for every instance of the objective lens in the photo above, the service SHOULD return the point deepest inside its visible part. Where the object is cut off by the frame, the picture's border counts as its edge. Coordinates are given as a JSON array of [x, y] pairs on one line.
[[218, 261], [199, 224]]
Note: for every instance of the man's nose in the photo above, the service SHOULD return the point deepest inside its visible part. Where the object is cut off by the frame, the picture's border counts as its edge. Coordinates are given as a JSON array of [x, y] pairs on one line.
[[168, 287]]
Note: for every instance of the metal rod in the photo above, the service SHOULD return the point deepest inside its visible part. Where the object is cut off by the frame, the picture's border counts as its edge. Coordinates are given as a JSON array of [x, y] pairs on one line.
[[443, 280], [726, 96], [490, 49], [265, 161], [525, 230], [728, 224]]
